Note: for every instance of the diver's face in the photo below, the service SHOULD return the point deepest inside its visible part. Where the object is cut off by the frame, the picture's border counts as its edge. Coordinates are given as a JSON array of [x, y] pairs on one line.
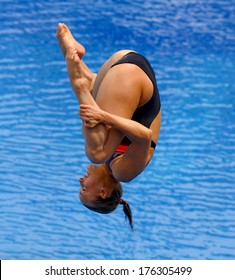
[[90, 189]]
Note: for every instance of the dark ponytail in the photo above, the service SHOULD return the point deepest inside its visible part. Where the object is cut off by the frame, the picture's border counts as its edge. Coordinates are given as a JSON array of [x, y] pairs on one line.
[[127, 211]]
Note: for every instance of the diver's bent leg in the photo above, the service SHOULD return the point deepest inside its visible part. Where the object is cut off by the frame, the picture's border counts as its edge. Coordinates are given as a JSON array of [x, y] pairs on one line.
[[66, 42], [81, 81], [95, 139]]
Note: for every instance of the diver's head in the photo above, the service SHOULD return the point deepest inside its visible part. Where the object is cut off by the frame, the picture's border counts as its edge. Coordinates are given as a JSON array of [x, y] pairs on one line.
[[101, 192]]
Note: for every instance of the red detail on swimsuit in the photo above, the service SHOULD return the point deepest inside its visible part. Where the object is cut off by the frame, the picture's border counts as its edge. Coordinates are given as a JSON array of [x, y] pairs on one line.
[[121, 149]]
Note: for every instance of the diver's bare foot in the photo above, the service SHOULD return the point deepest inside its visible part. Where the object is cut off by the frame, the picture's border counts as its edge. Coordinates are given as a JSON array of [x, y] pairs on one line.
[[67, 41]]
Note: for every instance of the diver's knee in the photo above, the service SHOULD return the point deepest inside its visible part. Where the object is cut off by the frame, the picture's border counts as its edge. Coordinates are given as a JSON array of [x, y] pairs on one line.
[[94, 155]]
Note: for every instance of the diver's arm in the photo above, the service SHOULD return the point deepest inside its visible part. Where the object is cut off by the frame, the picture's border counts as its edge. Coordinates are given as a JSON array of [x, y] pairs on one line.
[[134, 131]]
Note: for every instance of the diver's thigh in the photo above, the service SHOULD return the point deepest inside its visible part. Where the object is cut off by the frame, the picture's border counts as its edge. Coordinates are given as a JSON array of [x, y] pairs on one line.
[[105, 68]]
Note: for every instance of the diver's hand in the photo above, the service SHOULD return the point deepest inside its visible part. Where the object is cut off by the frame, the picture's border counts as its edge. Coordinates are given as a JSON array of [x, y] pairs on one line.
[[91, 115]]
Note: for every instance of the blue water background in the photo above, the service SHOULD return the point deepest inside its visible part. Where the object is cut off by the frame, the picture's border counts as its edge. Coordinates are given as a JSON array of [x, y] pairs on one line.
[[184, 203]]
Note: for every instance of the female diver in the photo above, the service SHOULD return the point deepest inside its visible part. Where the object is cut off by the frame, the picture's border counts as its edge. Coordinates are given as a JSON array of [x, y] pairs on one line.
[[121, 113]]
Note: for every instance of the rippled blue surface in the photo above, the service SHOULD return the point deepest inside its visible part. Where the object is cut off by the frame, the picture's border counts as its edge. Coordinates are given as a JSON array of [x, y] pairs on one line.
[[184, 203]]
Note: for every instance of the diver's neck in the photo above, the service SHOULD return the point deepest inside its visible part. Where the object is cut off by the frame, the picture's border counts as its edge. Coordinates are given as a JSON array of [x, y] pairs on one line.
[[106, 169]]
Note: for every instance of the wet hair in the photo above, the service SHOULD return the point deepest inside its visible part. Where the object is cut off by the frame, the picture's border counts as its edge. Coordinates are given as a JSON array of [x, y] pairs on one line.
[[127, 211], [109, 204]]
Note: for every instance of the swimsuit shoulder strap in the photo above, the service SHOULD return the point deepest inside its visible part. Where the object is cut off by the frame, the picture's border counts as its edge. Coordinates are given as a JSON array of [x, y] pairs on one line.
[[119, 151]]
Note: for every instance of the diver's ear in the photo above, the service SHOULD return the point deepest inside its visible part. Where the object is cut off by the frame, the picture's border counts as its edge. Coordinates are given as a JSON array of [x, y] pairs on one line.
[[104, 193]]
